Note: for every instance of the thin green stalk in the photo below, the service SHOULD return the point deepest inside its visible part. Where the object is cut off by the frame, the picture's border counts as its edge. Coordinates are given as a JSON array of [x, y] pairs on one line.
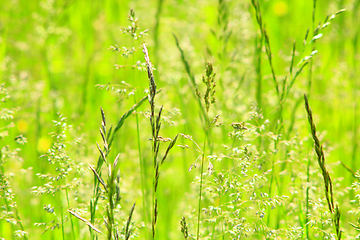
[[257, 61], [307, 199], [200, 191], [224, 59], [71, 221], [157, 25], [128, 229], [62, 223], [85, 85], [209, 99], [292, 121], [265, 36], [20, 223], [143, 174], [216, 222], [312, 47], [223, 23], [355, 88], [273, 177]]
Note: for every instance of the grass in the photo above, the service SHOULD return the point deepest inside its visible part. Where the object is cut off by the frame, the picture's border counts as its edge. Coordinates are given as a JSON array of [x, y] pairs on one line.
[[327, 180], [228, 153]]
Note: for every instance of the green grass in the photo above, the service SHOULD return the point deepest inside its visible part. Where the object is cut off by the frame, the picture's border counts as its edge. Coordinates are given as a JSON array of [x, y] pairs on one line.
[[182, 153]]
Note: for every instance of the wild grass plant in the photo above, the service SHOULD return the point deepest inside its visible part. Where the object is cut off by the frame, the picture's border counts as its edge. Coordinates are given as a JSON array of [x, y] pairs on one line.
[[10, 212], [334, 209], [242, 166], [155, 122]]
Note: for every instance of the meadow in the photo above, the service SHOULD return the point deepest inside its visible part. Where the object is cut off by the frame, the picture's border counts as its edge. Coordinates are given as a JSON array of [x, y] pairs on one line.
[[181, 119]]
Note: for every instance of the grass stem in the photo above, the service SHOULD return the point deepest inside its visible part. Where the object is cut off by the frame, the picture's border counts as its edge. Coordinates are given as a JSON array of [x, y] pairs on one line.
[[334, 209]]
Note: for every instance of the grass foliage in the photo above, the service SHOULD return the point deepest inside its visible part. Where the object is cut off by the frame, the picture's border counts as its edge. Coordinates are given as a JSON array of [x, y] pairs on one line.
[[198, 106]]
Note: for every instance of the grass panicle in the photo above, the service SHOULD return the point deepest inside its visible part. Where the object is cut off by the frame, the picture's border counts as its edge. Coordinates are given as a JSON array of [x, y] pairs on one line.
[[334, 209], [191, 76], [184, 228], [128, 229], [10, 212], [155, 122], [133, 31], [208, 98]]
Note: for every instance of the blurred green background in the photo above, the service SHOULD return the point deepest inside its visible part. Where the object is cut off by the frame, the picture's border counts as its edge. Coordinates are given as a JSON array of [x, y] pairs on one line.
[[54, 53]]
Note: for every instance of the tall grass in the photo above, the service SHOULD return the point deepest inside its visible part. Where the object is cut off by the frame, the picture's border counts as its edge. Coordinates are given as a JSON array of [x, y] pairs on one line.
[[329, 194], [253, 172]]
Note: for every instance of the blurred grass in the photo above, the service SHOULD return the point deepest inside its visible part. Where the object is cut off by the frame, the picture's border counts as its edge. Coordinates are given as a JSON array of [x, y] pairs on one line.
[[53, 53]]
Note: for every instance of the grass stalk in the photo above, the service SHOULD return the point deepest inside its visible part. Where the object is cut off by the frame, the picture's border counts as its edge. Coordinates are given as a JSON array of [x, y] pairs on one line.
[[334, 209], [236, 201], [155, 122], [143, 173], [132, 30], [111, 187], [265, 36], [62, 223], [157, 24], [20, 222], [355, 87], [128, 230], [313, 47], [200, 192], [257, 61], [108, 138], [208, 99], [307, 199], [192, 79], [71, 221], [155, 128], [280, 95]]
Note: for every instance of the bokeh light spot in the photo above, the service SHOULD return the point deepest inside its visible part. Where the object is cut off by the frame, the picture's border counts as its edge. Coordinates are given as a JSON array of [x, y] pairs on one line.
[[22, 126], [280, 8], [44, 144]]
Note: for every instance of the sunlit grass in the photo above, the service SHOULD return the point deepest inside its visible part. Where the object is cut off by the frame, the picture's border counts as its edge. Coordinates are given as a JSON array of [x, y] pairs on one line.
[[243, 167]]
